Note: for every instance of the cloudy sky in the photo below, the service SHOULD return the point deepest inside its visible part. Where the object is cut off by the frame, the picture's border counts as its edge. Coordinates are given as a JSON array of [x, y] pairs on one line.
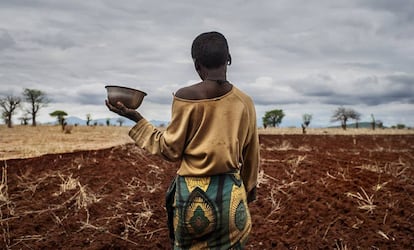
[[299, 56]]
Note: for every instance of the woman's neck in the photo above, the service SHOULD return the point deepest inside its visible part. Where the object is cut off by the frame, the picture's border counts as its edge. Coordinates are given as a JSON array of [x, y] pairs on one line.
[[213, 74]]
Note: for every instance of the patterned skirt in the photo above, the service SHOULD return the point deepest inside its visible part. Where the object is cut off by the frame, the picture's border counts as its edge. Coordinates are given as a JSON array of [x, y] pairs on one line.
[[208, 212]]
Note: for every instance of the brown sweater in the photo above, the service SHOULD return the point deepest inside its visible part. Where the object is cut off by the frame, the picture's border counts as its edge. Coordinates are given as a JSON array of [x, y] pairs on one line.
[[210, 136]]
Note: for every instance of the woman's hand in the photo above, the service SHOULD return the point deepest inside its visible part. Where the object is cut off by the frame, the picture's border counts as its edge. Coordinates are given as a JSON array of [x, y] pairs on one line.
[[121, 110]]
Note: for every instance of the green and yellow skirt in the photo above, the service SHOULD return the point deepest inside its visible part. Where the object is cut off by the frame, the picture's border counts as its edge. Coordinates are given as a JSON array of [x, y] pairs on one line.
[[208, 212]]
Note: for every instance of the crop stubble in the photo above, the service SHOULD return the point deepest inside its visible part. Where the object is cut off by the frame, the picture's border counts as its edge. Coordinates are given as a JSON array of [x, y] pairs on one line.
[[315, 192]]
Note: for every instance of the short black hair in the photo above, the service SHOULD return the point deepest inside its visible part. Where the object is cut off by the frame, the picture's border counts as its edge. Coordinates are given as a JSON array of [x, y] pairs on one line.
[[210, 49]]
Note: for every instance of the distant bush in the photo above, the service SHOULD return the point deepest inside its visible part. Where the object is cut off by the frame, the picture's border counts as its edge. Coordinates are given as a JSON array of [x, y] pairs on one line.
[[400, 126]]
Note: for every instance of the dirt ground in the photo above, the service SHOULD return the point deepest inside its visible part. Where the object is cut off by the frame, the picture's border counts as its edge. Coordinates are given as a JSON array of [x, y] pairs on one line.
[[315, 192]]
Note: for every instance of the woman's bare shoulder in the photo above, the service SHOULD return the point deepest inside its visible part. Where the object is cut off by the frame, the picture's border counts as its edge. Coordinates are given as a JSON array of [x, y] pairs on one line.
[[189, 92]]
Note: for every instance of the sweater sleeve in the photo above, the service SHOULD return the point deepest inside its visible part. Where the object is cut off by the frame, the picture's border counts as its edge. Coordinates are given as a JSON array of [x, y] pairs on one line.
[[251, 155], [169, 143]]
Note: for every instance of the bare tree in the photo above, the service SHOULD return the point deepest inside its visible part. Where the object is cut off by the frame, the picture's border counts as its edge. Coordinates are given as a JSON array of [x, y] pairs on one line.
[[343, 115], [37, 100], [373, 122], [88, 119], [4, 117], [9, 104], [24, 120], [376, 123], [121, 121], [355, 116], [306, 121], [379, 124]]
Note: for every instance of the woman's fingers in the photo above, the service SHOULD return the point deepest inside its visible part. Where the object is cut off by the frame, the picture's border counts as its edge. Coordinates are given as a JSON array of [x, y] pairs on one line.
[[119, 108], [110, 107]]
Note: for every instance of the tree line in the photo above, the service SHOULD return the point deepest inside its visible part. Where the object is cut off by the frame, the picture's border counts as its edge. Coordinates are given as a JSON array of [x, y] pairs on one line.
[[36, 99], [273, 118]]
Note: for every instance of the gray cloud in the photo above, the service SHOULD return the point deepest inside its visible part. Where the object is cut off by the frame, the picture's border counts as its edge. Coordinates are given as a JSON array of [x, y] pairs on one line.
[[6, 41], [56, 40], [316, 54]]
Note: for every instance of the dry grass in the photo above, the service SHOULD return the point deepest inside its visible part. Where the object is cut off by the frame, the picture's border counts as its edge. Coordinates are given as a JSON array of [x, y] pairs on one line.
[[276, 203], [339, 245], [365, 201], [396, 169], [138, 221], [79, 202], [67, 184], [284, 146], [7, 205], [4, 194], [28, 141]]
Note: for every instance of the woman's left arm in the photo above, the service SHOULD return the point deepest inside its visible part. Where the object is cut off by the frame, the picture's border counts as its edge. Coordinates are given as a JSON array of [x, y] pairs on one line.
[[251, 158]]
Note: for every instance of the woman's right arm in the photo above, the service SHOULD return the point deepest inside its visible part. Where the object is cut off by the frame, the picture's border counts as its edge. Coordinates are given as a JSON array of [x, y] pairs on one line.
[[169, 143]]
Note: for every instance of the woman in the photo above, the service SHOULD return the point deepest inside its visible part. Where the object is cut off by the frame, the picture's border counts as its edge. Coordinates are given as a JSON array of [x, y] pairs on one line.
[[214, 136]]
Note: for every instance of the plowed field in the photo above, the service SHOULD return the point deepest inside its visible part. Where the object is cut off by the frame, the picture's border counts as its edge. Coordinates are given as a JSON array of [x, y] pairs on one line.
[[315, 192]]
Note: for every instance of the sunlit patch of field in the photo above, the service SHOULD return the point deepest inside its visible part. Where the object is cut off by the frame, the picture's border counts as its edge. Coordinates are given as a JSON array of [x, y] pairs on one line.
[[28, 141]]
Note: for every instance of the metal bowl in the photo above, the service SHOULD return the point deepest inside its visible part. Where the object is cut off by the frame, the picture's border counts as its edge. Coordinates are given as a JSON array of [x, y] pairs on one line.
[[131, 98]]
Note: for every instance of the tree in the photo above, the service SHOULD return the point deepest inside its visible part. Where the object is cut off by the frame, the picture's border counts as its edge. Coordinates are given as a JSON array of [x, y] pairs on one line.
[[307, 118], [400, 126], [120, 120], [37, 100], [88, 119], [379, 124], [355, 116], [343, 115], [60, 115], [9, 105], [306, 121], [24, 120], [373, 122], [4, 117], [273, 118]]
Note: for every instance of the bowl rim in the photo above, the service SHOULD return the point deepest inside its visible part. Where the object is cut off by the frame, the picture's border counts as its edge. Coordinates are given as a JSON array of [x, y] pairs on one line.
[[123, 87]]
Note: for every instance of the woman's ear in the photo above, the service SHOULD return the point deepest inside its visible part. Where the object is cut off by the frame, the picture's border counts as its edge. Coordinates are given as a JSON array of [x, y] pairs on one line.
[[229, 60], [198, 69], [196, 65]]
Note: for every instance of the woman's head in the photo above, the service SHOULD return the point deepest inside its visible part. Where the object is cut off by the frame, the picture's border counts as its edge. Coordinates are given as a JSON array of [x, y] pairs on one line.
[[211, 50]]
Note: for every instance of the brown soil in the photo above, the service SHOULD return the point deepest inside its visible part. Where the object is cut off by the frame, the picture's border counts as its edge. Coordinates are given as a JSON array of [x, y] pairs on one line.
[[315, 192]]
